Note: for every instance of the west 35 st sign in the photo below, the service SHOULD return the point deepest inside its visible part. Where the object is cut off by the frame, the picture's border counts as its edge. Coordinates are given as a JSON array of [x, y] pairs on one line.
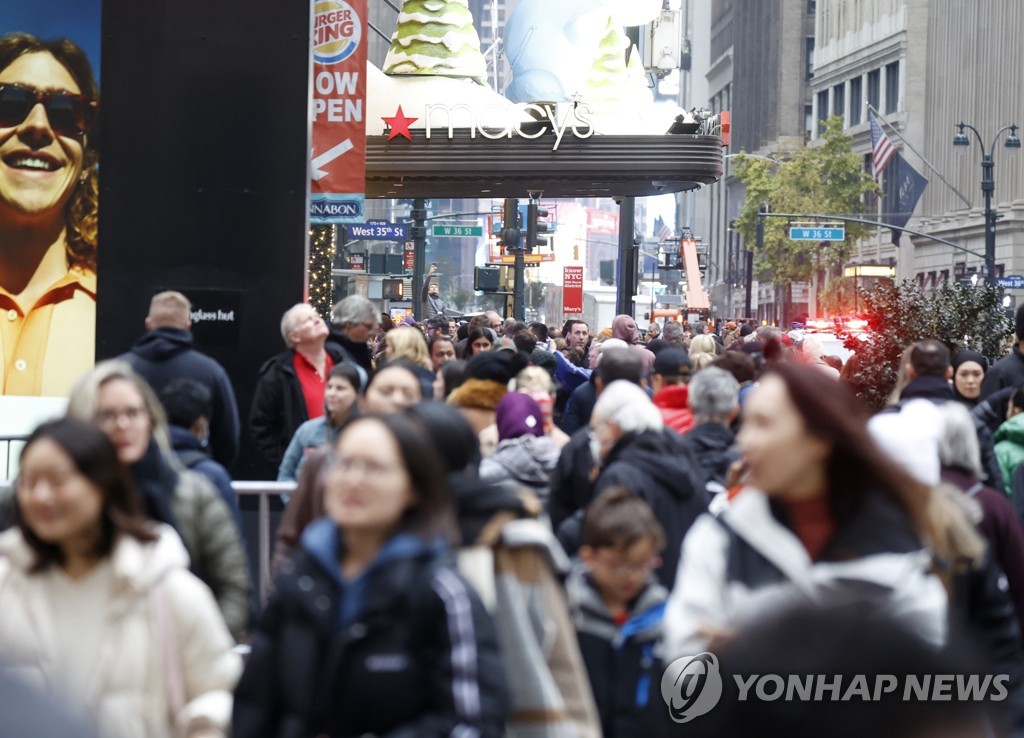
[[498, 121]]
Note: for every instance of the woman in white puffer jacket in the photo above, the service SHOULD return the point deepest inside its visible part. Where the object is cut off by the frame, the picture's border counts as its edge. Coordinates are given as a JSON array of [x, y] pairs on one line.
[[99, 605]]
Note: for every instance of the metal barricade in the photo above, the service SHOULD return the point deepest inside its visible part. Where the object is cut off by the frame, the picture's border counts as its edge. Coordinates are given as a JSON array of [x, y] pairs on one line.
[[265, 545]]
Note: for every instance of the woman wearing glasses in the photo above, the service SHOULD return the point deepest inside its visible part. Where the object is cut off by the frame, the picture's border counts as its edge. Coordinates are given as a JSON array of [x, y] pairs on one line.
[[370, 631], [120, 403], [48, 223]]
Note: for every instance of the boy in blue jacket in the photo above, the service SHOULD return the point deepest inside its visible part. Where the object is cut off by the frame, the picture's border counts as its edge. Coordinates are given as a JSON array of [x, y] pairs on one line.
[[617, 607]]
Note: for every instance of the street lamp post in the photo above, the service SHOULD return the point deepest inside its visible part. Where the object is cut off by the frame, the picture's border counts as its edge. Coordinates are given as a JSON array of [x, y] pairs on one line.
[[988, 185]]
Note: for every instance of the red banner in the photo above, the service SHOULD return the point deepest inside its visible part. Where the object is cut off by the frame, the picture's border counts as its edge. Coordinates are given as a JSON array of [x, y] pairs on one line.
[[338, 158], [410, 256], [572, 289]]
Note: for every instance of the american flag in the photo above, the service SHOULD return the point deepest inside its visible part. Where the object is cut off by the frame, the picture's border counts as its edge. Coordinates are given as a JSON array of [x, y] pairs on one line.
[[662, 231], [882, 149]]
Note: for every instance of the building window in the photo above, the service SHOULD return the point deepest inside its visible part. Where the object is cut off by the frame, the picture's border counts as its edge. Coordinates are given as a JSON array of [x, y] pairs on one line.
[[839, 100], [856, 100], [874, 88], [812, 6], [808, 122], [892, 87], [822, 107], [809, 67]]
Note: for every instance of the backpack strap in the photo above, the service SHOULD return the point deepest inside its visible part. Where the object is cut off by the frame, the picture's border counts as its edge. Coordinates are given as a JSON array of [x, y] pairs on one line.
[[191, 457]]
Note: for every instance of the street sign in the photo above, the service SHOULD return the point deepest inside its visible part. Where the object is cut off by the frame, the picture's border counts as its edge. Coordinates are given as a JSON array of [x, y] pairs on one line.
[[379, 231], [802, 233], [572, 289], [527, 258], [1013, 282], [458, 231]]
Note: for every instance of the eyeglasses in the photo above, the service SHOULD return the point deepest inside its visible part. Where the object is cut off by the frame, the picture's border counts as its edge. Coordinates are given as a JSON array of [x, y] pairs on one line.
[[623, 569], [107, 419], [363, 467], [70, 115]]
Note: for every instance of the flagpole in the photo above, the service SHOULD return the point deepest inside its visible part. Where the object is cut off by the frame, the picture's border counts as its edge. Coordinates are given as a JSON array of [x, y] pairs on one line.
[[920, 156], [878, 243]]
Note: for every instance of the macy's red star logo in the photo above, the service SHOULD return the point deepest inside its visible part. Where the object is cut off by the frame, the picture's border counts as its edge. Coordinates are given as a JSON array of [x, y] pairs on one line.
[[398, 124]]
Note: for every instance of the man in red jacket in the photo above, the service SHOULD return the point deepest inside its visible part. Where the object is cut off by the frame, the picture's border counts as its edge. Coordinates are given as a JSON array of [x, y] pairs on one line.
[[669, 378]]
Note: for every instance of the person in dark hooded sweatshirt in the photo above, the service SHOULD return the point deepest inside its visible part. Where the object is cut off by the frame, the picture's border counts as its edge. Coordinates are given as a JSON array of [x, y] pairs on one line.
[[635, 451], [166, 353], [624, 328]]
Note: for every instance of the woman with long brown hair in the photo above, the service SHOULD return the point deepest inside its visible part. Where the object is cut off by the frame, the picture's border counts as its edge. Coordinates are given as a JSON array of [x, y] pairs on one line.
[[369, 629], [826, 518], [49, 143]]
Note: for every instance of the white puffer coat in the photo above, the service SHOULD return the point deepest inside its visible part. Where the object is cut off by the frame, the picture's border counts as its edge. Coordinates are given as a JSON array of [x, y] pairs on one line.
[[130, 693]]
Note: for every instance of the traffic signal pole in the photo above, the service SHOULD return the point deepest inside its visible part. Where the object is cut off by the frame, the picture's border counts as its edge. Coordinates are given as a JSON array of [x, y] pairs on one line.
[[513, 240], [418, 233], [626, 277]]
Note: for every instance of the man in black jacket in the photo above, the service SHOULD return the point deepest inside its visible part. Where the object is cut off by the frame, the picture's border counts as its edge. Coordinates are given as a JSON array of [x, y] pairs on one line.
[[353, 324], [280, 404], [1009, 370], [165, 353], [929, 372], [714, 400], [635, 451]]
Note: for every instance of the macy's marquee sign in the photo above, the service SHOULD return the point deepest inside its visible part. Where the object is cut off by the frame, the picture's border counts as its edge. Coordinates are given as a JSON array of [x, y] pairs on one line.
[[496, 121]]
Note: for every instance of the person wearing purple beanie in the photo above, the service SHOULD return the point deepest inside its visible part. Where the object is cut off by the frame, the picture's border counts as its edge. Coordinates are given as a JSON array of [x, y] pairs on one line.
[[524, 454]]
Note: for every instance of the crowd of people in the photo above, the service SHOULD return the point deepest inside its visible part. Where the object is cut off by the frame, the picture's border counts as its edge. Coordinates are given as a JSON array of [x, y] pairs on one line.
[[501, 528]]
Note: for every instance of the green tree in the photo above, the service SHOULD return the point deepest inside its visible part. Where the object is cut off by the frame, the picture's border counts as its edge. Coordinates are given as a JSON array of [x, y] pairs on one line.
[[826, 178], [839, 297], [898, 314]]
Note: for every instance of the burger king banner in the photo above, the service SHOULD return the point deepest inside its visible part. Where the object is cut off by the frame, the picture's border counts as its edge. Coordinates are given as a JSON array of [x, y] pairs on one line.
[[338, 158]]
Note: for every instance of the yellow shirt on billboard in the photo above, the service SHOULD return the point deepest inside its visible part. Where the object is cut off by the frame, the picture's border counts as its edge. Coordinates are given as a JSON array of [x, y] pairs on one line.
[[45, 349]]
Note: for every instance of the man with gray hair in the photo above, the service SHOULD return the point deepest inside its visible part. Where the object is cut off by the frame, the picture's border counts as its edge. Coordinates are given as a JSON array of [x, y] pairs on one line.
[[636, 451], [673, 334], [353, 324], [714, 401], [167, 352], [291, 385]]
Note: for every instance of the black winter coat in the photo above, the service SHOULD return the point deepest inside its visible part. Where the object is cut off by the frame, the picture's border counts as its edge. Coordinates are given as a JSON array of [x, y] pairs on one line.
[[572, 487], [357, 353], [279, 407], [1007, 372], [419, 659], [654, 467], [714, 448], [166, 354]]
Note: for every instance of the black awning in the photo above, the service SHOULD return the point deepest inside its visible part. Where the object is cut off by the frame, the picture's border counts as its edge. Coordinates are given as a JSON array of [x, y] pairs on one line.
[[598, 166]]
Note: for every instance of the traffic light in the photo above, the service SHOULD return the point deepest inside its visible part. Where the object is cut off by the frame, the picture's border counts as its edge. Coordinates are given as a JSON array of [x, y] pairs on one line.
[[394, 289], [487, 279], [536, 226]]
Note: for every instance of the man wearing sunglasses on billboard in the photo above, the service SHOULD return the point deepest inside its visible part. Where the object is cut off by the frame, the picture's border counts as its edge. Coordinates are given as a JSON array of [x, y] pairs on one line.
[[48, 224]]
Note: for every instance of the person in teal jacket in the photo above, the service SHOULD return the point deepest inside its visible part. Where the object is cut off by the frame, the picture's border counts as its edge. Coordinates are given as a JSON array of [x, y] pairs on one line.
[[345, 384], [1009, 438]]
